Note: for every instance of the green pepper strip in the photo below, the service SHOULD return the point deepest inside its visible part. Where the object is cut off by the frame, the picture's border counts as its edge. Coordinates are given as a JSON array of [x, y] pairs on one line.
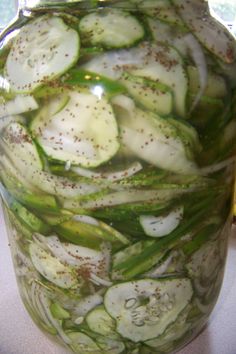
[[144, 260], [87, 78], [31, 221]]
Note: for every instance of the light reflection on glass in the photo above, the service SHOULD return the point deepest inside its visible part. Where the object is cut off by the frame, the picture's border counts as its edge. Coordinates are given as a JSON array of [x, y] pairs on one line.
[[98, 91]]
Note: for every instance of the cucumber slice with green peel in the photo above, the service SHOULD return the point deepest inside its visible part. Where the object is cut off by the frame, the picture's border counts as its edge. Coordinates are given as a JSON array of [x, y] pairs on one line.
[[130, 267], [175, 331], [20, 104], [151, 95], [63, 187], [44, 49], [99, 321], [143, 309], [20, 227], [111, 64], [52, 269], [31, 176], [59, 312], [166, 33], [161, 9], [82, 343], [159, 226], [165, 65], [129, 252], [110, 346], [9, 170], [20, 148], [206, 111], [153, 139], [189, 137], [56, 218], [29, 198], [216, 85], [171, 264], [207, 232], [5, 121], [84, 132], [203, 263], [75, 256], [196, 16], [90, 235], [27, 218], [132, 197], [108, 28]]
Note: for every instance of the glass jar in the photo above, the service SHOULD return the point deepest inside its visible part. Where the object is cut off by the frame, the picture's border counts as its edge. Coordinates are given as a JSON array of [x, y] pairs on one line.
[[117, 126]]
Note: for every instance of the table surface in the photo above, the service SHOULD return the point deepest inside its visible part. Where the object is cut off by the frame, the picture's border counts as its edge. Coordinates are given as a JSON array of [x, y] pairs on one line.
[[19, 335]]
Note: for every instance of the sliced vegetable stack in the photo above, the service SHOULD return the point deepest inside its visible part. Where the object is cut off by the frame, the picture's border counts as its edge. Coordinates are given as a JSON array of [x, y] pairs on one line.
[[117, 148]]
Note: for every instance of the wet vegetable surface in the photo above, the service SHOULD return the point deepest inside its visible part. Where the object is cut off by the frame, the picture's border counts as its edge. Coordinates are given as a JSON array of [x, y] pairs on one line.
[[117, 126]]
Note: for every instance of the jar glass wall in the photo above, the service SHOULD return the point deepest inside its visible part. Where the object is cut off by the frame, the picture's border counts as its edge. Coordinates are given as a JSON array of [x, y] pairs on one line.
[[117, 126]]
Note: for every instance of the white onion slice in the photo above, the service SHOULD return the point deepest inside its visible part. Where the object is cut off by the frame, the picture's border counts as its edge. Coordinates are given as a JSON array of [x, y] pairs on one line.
[[86, 219], [99, 281], [200, 61], [112, 176], [158, 226]]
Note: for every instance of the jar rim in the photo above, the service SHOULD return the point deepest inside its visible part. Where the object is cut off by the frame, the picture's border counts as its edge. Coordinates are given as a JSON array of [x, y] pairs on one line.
[[34, 4]]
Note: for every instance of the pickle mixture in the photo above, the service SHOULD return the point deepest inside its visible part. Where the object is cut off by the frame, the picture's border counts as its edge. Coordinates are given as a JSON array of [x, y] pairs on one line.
[[117, 140]]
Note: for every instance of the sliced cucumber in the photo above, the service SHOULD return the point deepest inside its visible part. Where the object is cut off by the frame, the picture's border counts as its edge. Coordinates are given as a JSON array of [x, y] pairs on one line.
[[143, 309], [18, 225], [44, 49], [21, 148], [153, 139], [216, 85], [27, 218], [189, 137], [82, 343], [73, 255], [175, 331], [51, 268], [149, 94], [111, 64], [206, 110], [110, 346], [24, 194], [99, 321], [159, 226], [166, 33], [171, 263], [136, 264], [20, 104], [108, 28], [130, 251], [90, 235], [161, 9], [83, 132], [205, 261], [59, 312], [196, 16], [127, 197], [5, 121], [164, 64]]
